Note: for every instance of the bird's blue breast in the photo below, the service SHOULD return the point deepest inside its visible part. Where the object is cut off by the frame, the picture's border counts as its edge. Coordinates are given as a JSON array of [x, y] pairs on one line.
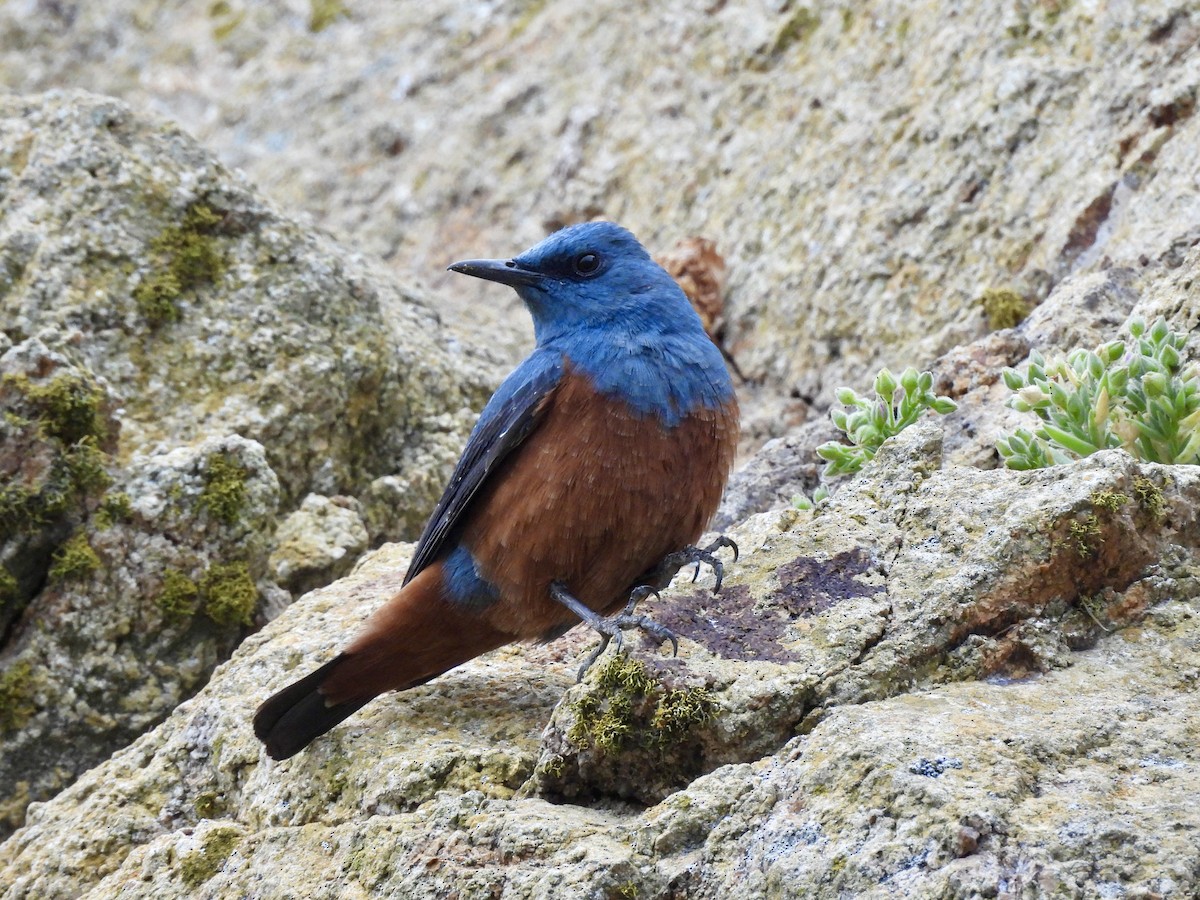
[[666, 376]]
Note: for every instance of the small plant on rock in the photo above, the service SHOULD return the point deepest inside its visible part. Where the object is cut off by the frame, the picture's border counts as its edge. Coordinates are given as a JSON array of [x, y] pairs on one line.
[[872, 420], [1137, 395]]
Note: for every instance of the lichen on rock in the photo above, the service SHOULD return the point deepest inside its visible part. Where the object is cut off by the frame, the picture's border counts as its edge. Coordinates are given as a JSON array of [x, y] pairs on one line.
[[173, 376]]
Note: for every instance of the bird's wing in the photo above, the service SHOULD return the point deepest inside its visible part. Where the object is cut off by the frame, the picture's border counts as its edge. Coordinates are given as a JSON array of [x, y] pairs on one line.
[[509, 417]]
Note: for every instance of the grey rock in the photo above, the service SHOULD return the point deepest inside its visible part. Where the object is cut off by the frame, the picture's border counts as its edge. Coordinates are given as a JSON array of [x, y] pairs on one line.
[[181, 366], [318, 542], [209, 313], [929, 687], [137, 607], [867, 173]]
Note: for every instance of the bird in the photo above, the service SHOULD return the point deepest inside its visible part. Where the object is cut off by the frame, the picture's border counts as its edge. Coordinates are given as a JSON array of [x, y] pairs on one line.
[[583, 488]]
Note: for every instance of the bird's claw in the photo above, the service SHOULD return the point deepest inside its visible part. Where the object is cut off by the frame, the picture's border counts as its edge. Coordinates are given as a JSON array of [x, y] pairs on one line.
[[707, 555], [611, 628]]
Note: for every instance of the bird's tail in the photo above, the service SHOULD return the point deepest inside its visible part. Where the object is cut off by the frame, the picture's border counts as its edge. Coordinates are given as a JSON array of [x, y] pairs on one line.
[[292, 718], [411, 639]]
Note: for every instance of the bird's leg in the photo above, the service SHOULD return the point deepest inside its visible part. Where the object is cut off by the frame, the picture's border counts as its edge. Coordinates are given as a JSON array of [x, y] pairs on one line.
[[610, 627], [673, 562]]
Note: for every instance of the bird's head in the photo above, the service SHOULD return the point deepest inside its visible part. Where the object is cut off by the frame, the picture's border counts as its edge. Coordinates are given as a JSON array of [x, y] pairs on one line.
[[587, 275]]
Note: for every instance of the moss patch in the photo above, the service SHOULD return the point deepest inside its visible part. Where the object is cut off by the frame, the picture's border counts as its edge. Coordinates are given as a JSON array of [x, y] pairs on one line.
[[1110, 501], [86, 464], [229, 594], [628, 703], [180, 597], [114, 507], [73, 475], [679, 711], [202, 865], [74, 559], [224, 493], [796, 30], [16, 696], [1004, 307], [1150, 497], [208, 805], [67, 406], [1085, 535], [323, 13], [55, 431], [184, 257], [8, 586]]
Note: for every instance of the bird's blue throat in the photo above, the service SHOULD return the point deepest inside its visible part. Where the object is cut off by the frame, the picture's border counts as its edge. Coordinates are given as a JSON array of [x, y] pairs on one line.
[[663, 375]]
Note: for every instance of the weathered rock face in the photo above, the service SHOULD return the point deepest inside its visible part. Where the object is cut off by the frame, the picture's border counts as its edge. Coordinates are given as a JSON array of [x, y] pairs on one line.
[[210, 314], [180, 365], [868, 169], [945, 680], [948, 682]]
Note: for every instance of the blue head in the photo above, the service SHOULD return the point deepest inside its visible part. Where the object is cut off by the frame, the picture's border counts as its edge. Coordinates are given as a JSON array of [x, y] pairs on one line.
[[598, 298], [587, 276]]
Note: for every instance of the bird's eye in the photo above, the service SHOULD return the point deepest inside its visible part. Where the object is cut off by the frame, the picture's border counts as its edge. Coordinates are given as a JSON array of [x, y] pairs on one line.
[[587, 264]]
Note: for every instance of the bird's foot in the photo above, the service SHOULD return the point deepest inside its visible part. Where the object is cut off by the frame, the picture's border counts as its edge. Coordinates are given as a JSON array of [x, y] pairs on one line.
[[610, 628], [673, 562]]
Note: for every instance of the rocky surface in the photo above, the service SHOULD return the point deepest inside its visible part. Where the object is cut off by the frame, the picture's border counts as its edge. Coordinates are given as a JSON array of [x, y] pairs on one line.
[[868, 170], [209, 313], [180, 366], [949, 681], [945, 680]]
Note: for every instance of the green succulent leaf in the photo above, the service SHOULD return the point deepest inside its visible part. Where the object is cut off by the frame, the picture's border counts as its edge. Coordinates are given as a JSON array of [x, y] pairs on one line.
[[1135, 394]]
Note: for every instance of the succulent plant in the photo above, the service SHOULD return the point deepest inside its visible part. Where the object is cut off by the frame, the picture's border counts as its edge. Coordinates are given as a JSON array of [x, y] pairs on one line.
[[870, 421], [1138, 395]]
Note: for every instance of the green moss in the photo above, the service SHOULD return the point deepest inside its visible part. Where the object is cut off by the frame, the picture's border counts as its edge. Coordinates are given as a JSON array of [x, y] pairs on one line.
[[1004, 307], [86, 463], [555, 766], [1110, 501], [224, 492], [180, 597], [156, 296], [628, 703], [202, 865], [76, 473], [16, 696], [74, 559], [67, 406], [796, 30], [678, 712], [229, 594], [1085, 534], [629, 891], [208, 805], [323, 13], [612, 727], [114, 507], [184, 257], [8, 586], [624, 674], [1150, 497]]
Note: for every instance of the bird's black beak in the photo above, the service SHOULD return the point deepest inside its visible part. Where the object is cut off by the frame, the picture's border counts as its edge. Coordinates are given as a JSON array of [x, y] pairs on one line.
[[505, 271]]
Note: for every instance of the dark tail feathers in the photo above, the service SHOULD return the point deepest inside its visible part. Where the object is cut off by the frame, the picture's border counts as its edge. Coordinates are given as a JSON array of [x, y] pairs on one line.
[[288, 721]]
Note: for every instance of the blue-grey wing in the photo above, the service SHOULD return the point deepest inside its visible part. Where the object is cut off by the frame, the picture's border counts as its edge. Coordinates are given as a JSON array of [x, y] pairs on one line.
[[509, 417]]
